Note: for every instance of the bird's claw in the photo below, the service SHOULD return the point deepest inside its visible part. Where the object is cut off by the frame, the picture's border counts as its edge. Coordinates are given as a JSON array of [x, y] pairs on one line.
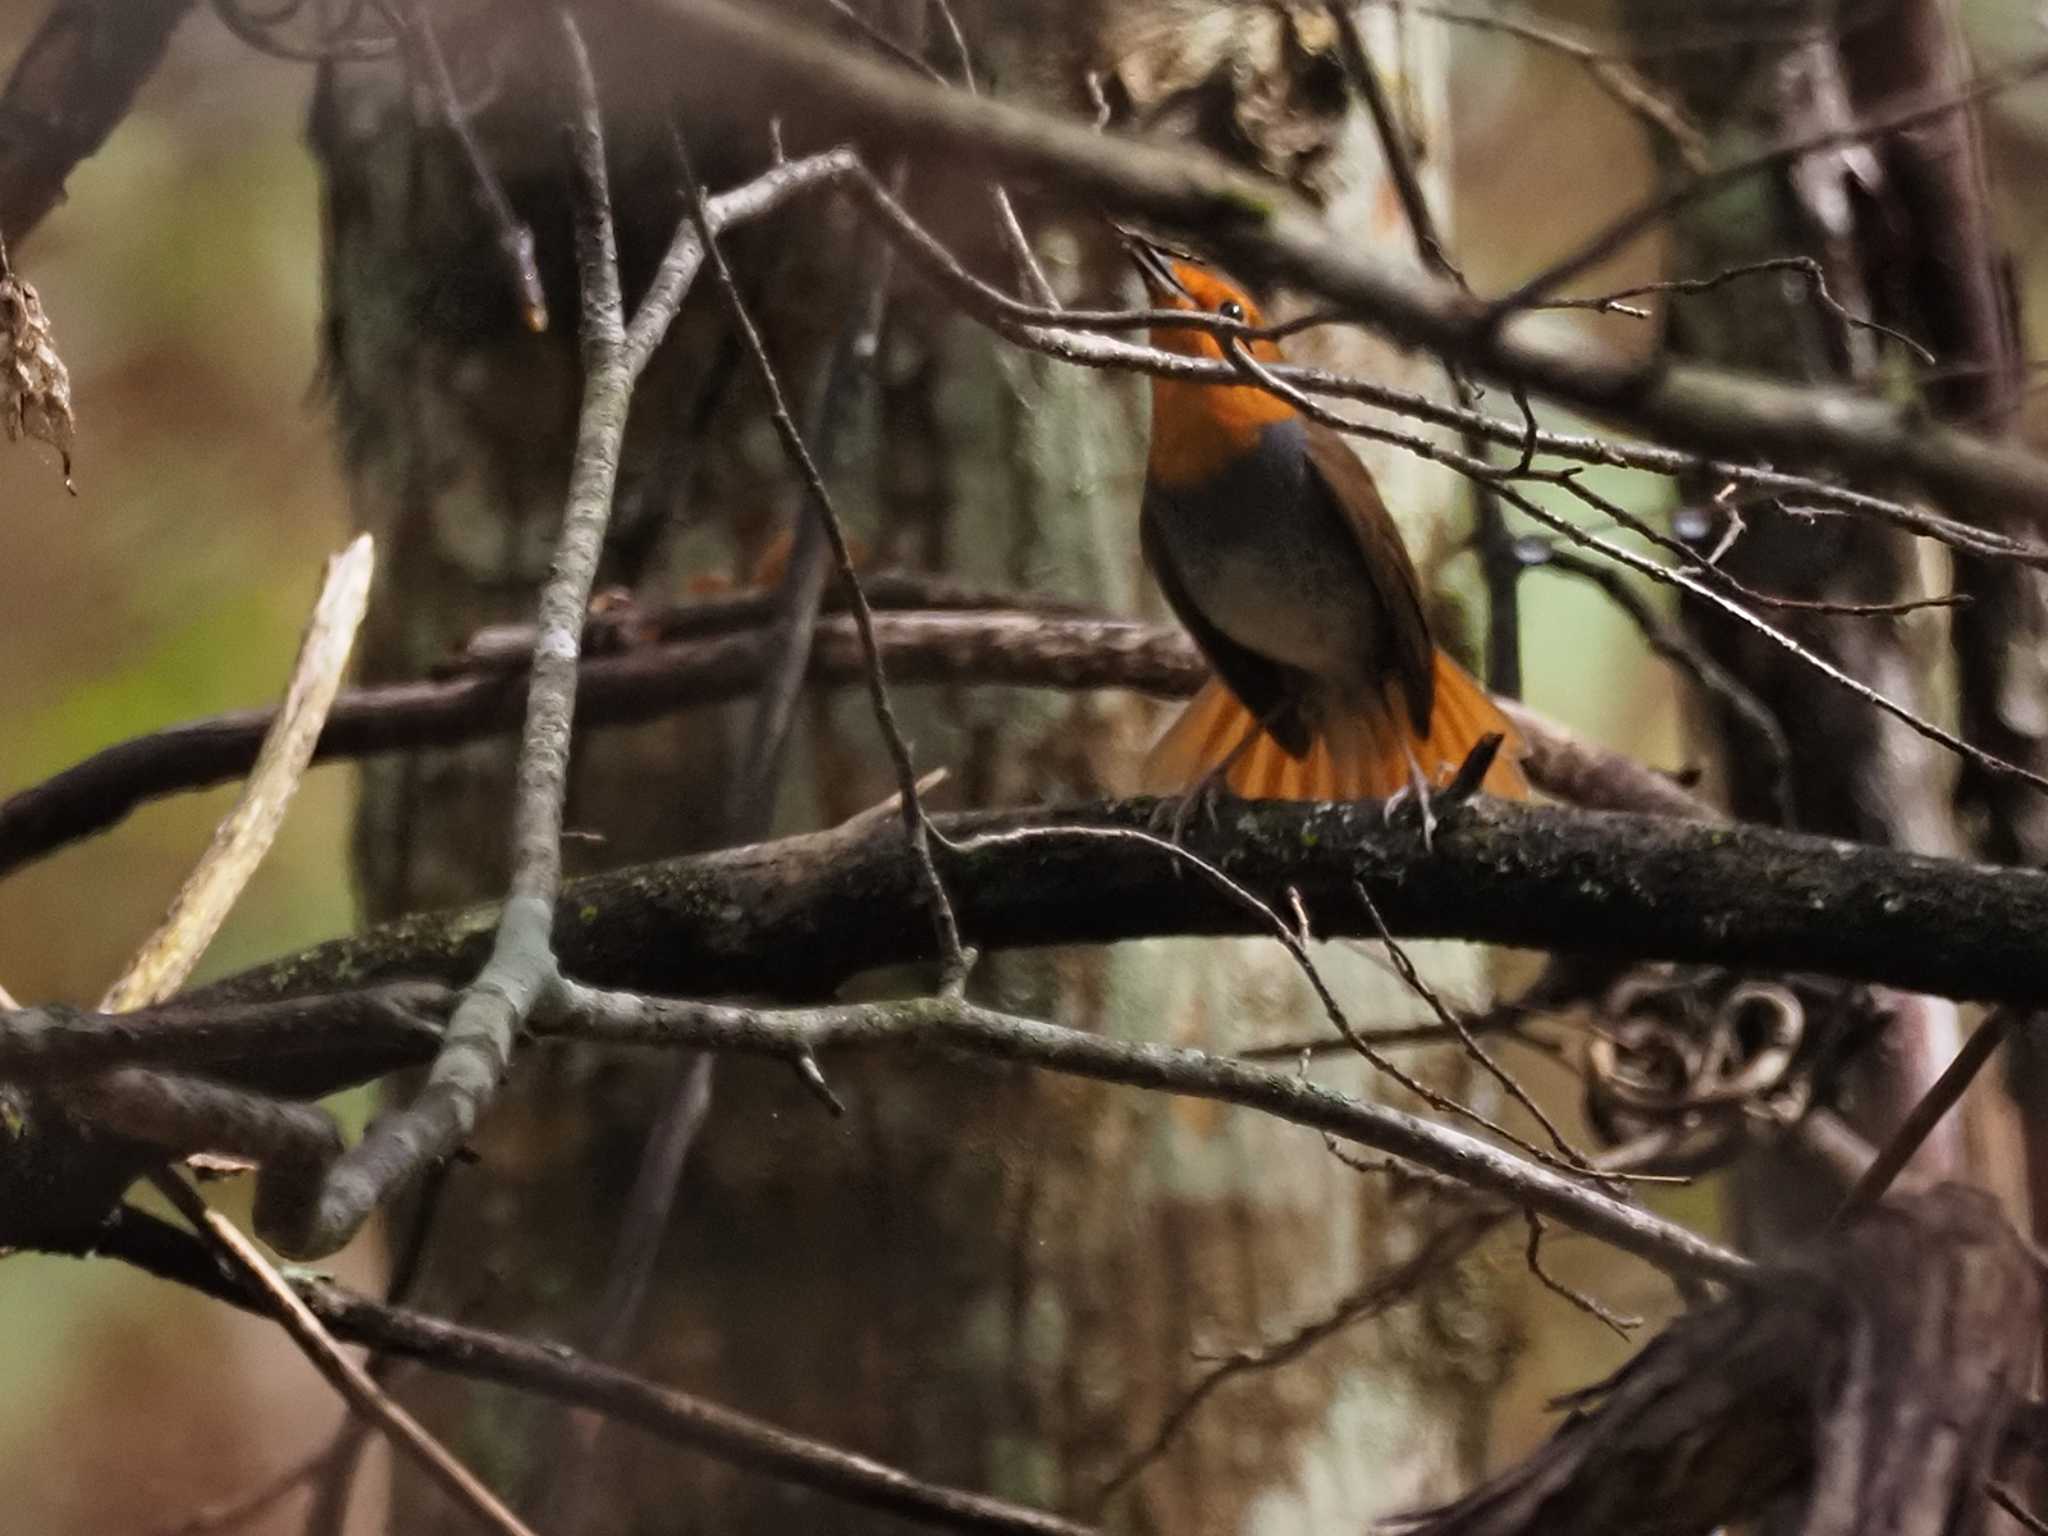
[[1417, 790], [1463, 785], [1203, 802]]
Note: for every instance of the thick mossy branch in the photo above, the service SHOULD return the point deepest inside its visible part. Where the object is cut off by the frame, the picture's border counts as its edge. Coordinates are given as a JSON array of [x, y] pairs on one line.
[[794, 918]]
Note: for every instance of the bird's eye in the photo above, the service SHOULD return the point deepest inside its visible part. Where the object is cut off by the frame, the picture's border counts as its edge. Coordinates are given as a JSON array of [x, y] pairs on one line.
[[1230, 309]]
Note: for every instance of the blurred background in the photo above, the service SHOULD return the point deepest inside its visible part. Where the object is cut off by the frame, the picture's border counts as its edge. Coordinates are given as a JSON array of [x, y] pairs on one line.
[[182, 278]]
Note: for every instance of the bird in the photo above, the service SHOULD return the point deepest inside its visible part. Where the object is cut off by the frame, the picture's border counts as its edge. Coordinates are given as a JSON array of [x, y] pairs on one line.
[[1270, 542]]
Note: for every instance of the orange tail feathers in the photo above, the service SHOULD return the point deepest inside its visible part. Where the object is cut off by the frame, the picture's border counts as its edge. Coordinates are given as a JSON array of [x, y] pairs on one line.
[[1357, 755]]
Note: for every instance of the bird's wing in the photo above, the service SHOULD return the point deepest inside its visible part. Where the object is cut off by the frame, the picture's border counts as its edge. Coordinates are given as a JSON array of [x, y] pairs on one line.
[[1269, 689], [1348, 484]]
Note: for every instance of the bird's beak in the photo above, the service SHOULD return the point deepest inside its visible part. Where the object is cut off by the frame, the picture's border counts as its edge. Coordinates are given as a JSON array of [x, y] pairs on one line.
[[1153, 268]]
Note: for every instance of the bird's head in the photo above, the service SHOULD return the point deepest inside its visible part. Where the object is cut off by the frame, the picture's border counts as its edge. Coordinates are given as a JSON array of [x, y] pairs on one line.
[[1179, 283], [1199, 427]]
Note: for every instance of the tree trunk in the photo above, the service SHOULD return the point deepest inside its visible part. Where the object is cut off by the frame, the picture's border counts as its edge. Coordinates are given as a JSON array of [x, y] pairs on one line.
[[1912, 250], [984, 1276]]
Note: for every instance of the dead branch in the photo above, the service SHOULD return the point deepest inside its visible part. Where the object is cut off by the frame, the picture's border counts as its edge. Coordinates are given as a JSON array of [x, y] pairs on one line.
[[1259, 228], [70, 88], [554, 1371]]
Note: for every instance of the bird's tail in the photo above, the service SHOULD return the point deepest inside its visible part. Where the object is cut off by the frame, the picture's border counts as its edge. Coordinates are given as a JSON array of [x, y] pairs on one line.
[[1357, 753]]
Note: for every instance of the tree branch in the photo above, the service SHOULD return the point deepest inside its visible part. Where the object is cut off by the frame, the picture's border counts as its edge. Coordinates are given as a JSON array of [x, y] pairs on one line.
[[560, 1373], [1262, 229], [794, 918], [68, 90], [1030, 648]]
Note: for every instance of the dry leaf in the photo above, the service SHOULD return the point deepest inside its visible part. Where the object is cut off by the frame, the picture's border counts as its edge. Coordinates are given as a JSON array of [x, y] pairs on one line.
[[35, 388]]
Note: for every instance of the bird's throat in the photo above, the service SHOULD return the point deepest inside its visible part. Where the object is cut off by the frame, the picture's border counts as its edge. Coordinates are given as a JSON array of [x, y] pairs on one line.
[[1200, 430]]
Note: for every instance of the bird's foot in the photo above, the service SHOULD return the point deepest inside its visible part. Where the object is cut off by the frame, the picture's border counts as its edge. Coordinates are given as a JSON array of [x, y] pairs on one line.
[[1204, 803], [1417, 790], [1463, 785]]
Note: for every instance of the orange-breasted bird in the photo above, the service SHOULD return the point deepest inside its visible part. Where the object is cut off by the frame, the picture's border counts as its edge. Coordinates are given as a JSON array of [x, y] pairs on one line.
[[1271, 543]]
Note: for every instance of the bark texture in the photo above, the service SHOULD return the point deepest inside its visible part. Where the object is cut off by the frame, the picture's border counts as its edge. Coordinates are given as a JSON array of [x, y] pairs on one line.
[[987, 1277]]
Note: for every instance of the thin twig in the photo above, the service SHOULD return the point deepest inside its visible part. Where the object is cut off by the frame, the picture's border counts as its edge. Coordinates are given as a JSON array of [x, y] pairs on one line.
[[239, 1509], [1933, 1106], [1502, 571], [1448, 1244], [801, 592], [2009, 1501], [916, 825], [514, 236], [1805, 266], [557, 1372], [336, 1489], [1607, 69], [1676, 647], [1532, 1256], [1028, 648], [1675, 576], [362, 1394], [1072, 336], [1621, 231], [1260, 226], [1296, 945], [1459, 1233], [685, 255], [1456, 1025], [1006, 212], [244, 837], [953, 1024], [522, 966], [902, 54]]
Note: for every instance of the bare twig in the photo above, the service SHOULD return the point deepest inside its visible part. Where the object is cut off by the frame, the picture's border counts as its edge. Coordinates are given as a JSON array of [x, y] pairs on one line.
[[230, 1513], [1929, 1112], [75, 79], [1460, 1231], [388, 1024], [1261, 228], [685, 255], [1454, 1024], [2009, 1501], [1676, 647], [1497, 560], [1532, 1255], [953, 1024], [1028, 648], [514, 237], [560, 1373], [1296, 945], [242, 840], [1623, 230], [1710, 591], [1445, 1246], [801, 592], [522, 965], [1006, 213], [1608, 69], [348, 1378], [1805, 266], [1578, 772], [916, 825]]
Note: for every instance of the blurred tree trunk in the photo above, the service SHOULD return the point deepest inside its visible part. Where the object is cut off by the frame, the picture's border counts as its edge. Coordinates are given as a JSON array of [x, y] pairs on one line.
[[1901, 229], [988, 1277]]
